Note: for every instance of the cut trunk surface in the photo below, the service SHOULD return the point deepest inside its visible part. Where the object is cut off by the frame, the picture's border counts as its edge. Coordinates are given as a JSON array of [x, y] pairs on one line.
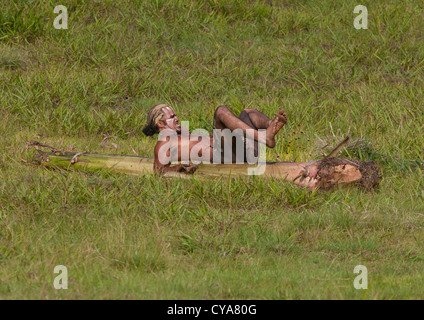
[[324, 174]]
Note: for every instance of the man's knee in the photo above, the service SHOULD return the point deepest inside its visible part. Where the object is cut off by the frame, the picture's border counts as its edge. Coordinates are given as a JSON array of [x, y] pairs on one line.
[[218, 116], [221, 110], [244, 115]]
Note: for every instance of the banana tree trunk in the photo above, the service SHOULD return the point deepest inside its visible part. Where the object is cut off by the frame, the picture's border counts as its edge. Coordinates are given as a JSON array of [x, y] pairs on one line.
[[324, 174]]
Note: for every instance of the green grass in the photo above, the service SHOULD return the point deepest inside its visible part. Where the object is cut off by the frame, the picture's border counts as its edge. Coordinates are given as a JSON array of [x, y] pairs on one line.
[[149, 237]]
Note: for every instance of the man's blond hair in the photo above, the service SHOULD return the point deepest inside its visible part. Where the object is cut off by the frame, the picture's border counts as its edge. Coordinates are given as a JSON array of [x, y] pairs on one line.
[[153, 117]]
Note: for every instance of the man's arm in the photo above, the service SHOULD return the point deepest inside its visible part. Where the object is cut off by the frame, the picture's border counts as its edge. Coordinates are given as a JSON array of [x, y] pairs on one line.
[[162, 163]]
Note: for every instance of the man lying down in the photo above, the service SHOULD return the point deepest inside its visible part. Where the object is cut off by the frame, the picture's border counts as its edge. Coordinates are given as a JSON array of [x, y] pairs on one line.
[[241, 136], [242, 140]]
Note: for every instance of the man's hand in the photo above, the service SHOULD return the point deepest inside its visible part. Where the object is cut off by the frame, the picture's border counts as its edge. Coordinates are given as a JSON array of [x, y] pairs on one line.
[[187, 168]]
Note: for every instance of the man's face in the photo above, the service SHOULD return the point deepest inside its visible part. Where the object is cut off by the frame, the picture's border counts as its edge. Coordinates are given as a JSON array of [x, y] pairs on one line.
[[170, 119]]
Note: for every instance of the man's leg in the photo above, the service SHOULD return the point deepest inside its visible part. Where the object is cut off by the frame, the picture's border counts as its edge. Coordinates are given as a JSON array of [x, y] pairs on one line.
[[255, 119], [259, 122], [224, 118]]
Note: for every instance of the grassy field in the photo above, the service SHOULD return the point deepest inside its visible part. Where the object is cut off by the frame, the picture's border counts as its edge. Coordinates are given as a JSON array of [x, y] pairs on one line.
[[124, 237]]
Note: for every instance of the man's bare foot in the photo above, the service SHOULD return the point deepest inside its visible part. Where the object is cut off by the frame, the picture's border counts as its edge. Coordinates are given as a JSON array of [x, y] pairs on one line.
[[274, 126]]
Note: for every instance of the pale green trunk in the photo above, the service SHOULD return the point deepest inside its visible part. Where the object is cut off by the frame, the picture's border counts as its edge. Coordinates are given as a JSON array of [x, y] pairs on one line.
[[143, 165], [328, 172]]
